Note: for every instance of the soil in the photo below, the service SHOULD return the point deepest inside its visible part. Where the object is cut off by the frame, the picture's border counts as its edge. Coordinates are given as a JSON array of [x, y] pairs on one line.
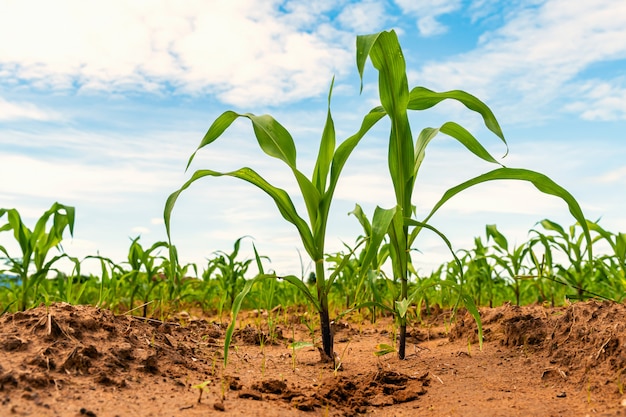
[[65, 360]]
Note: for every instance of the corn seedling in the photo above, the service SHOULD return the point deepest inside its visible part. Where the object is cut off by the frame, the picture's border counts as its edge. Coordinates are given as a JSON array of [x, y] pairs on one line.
[[201, 387], [405, 157], [383, 349], [33, 265], [295, 347]]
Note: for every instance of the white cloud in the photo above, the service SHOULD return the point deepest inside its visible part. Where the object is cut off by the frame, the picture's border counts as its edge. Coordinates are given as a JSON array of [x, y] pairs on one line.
[[613, 176], [365, 17], [601, 100], [535, 58], [62, 180], [20, 110], [427, 13], [243, 51]]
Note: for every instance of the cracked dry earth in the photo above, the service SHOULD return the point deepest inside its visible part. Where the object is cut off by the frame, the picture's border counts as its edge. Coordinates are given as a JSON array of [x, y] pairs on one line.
[[65, 360]]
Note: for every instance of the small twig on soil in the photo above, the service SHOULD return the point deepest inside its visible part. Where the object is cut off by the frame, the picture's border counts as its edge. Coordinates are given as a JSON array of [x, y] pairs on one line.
[[138, 307], [603, 346], [436, 377]]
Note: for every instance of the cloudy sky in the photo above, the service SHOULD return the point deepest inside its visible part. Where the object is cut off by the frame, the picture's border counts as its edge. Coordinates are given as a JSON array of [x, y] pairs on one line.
[[102, 103]]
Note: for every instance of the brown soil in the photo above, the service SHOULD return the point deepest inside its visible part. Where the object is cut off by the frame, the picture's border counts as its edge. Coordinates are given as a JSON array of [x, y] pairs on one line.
[[83, 361]]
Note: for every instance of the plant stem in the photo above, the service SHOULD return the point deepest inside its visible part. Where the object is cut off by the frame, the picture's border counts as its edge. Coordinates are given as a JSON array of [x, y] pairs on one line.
[[322, 296]]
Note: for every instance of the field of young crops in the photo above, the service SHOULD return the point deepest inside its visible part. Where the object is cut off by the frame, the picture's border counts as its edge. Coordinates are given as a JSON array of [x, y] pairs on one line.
[[551, 267], [376, 274], [374, 277]]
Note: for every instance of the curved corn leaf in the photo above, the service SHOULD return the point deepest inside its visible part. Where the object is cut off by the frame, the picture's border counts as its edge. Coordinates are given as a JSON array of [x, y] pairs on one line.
[[272, 137], [364, 44], [281, 199], [296, 282], [461, 134], [420, 225], [540, 181], [421, 98]]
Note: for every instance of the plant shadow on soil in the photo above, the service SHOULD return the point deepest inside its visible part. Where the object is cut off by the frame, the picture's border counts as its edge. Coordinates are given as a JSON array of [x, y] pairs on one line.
[[65, 360]]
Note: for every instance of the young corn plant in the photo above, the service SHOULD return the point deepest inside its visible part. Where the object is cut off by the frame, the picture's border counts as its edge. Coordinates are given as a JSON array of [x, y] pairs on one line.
[[229, 273], [406, 156], [34, 264], [613, 265], [317, 191], [145, 273], [510, 261], [569, 243]]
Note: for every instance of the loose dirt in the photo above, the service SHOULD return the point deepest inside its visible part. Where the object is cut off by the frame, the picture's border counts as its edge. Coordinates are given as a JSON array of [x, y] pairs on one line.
[[65, 360]]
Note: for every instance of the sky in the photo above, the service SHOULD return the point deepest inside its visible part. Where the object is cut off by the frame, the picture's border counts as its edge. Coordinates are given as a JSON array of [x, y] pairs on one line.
[[102, 103]]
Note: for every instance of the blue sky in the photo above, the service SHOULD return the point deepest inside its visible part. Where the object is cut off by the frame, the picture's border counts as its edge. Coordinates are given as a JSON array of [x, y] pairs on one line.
[[101, 105]]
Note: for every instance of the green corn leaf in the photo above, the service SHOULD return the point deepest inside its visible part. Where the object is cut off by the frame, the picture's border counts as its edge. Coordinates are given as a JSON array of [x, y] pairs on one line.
[[344, 262], [326, 150], [402, 306], [296, 282], [455, 131], [493, 232], [299, 345], [363, 220], [280, 197], [383, 349], [346, 147], [387, 57], [218, 127], [235, 311], [554, 227], [364, 44], [272, 137], [540, 181], [620, 247], [459, 133], [419, 225], [311, 197], [421, 98], [473, 310], [381, 222], [423, 139]]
